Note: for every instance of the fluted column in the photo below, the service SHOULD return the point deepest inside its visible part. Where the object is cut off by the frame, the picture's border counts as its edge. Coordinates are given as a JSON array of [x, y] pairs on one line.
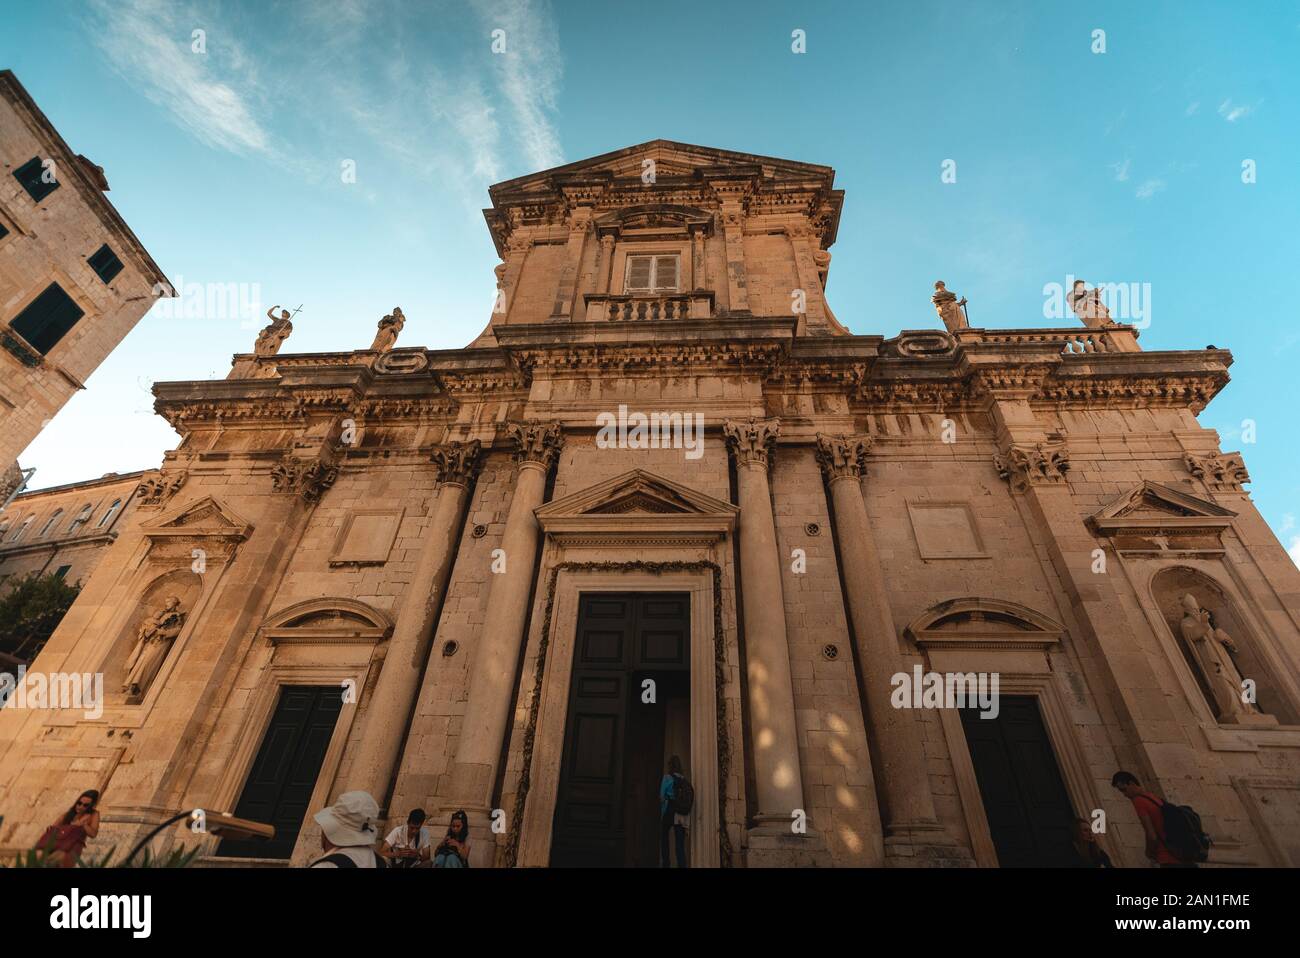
[[898, 754], [487, 711], [389, 709], [767, 651]]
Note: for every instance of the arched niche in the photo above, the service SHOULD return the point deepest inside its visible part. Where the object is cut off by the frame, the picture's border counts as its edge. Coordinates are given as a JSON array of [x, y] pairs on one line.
[[1168, 586], [181, 584], [328, 621]]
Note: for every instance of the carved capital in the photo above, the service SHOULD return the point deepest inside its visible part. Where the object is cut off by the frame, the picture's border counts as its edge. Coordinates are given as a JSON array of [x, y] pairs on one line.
[[1042, 463], [156, 489], [1220, 471], [843, 457], [457, 462], [538, 442], [308, 478], [752, 440]]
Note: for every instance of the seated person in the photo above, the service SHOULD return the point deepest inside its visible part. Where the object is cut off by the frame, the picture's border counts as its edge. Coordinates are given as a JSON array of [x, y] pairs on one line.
[[409, 845]]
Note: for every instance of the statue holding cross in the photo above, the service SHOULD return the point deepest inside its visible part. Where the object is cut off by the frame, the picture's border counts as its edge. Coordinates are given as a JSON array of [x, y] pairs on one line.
[[272, 337]]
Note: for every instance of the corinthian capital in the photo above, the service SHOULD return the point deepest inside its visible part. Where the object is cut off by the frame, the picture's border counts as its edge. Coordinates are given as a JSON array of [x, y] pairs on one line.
[[456, 462], [538, 442], [751, 440], [843, 456], [1041, 463], [308, 478], [1221, 471]]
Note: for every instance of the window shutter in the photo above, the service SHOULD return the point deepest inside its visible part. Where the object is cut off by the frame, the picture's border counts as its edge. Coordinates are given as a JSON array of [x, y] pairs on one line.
[[3, 231], [30, 176], [638, 272], [105, 263], [47, 318], [666, 272]]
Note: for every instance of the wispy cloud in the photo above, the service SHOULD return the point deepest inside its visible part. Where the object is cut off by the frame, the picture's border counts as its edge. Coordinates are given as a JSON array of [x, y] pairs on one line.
[[1149, 188], [1234, 113], [1121, 170], [1293, 550], [529, 70], [1192, 108], [212, 93]]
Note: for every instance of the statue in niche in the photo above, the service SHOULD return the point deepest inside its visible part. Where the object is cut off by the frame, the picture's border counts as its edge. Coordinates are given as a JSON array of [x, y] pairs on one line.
[[389, 327], [950, 309], [153, 641], [1211, 648], [1087, 305], [272, 337]]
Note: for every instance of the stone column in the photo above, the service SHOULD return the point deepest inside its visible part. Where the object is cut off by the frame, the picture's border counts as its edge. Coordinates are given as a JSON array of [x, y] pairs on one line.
[[698, 270], [389, 710], [895, 736], [733, 218], [487, 711], [579, 227], [767, 651], [604, 263]]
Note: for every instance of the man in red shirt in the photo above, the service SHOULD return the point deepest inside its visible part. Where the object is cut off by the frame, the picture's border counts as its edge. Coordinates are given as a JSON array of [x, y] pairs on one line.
[[1149, 813]]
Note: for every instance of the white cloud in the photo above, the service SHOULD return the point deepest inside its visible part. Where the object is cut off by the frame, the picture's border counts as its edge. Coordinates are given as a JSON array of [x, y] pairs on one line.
[[210, 94], [1293, 550], [1234, 113], [1121, 170], [1149, 188], [529, 72], [1192, 108]]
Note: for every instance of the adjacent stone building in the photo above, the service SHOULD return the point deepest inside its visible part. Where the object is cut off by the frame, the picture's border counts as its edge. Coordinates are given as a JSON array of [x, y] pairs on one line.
[[666, 504], [74, 280]]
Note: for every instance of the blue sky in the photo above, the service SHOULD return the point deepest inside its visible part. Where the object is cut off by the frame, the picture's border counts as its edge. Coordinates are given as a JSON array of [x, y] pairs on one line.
[[1119, 167]]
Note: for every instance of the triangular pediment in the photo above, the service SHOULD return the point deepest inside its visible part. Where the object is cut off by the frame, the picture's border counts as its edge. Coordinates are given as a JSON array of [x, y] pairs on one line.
[[636, 492], [671, 159], [1153, 506], [203, 517]]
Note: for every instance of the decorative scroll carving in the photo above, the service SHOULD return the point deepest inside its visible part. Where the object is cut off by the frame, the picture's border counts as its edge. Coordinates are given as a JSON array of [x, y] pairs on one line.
[[395, 364], [156, 489], [308, 478], [927, 344], [457, 462], [1221, 471], [843, 456], [1042, 463], [538, 442], [752, 441]]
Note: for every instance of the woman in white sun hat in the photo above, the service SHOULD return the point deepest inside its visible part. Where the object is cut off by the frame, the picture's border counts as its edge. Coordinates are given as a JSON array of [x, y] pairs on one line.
[[348, 831]]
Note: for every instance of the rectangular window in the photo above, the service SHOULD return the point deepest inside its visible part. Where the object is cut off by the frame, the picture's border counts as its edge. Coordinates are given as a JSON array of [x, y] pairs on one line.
[[651, 274], [47, 318], [35, 179], [3, 232], [105, 263], [62, 571]]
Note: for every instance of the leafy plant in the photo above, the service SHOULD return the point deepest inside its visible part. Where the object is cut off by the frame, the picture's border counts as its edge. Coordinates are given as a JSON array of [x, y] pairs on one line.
[[178, 857], [30, 610]]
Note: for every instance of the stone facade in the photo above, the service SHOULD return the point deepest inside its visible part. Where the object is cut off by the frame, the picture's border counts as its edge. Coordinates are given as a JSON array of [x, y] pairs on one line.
[[419, 527], [52, 244]]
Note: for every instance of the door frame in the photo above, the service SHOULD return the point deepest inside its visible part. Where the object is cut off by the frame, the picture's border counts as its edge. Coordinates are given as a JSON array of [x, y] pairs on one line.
[[552, 715]]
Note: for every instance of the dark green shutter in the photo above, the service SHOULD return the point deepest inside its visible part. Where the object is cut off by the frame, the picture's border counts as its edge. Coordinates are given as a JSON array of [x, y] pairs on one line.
[[47, 318], [30, 176], [105, 263]]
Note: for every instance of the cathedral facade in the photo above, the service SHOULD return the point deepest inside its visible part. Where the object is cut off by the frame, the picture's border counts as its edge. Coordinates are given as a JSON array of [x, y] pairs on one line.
[[892, 602]]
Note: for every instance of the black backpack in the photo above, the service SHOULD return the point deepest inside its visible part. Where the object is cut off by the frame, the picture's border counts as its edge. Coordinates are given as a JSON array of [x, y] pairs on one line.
[[1183, 833], [683, 795]]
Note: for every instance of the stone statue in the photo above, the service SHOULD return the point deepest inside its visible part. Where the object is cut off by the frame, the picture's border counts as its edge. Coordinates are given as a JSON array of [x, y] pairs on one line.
[[153, 642], [1087, 305], [1211, 647], [949, 308], [389, 327], [272, 337]]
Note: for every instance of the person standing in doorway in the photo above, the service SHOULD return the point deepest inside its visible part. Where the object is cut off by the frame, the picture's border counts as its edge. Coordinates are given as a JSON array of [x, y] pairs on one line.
[[675, 799]]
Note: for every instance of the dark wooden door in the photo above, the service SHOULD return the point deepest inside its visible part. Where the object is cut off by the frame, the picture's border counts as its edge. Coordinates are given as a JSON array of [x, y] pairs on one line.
[[1025, 800], [620, 637], [284, 773]]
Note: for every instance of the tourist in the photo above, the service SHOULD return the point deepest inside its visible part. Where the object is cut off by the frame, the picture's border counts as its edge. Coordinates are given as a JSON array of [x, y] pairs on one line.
[[1150, 813], [453, 850], [1086, 846], [675, 796], [67, 837], [348, 832], [409, 845]]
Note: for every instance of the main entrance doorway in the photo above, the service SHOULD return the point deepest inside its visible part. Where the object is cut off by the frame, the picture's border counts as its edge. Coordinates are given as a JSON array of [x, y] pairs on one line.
[[629, 711], [284, 773], [1025, 801]]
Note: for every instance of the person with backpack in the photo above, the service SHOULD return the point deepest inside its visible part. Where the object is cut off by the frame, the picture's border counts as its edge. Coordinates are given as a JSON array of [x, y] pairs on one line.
[[1173, 832], [676, 796], [348, 832]]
